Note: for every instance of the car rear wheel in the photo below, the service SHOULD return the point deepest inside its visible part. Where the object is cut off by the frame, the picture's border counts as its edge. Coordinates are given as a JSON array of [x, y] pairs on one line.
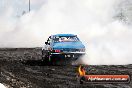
[[45, 57]]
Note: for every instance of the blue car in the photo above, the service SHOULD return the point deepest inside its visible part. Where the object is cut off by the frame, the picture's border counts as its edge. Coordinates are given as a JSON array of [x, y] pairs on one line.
[[61, 48]]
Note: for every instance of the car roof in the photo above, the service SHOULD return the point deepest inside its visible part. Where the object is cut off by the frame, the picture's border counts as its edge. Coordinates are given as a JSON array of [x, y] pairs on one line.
[[64, 35]]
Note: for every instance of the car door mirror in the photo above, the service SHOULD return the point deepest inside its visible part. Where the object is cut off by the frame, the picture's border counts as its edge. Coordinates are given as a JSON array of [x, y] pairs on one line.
[[46, 43]]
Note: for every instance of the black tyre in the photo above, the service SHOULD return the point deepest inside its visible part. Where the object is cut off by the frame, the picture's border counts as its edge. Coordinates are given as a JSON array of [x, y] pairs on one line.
[[45, 57]]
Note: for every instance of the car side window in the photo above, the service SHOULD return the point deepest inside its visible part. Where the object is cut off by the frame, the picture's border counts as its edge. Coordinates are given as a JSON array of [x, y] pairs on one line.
[[49, 41]]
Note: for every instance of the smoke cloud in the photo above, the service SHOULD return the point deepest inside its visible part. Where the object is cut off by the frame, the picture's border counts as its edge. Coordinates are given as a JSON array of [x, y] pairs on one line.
[[107, 39], [2, 86]]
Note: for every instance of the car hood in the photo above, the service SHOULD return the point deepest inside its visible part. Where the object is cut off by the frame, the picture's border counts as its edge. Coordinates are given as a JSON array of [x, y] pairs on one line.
[[71, 45]]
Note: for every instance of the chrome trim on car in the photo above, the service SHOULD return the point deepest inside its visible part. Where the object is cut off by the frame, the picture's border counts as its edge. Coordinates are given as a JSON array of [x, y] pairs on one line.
[[69, 53]]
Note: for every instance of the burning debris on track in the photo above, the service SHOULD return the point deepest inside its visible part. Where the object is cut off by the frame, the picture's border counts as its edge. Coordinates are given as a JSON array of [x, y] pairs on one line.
[[22, 68]]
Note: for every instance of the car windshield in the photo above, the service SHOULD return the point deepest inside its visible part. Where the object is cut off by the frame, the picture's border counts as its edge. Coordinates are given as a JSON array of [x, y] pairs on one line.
[[66, 39]]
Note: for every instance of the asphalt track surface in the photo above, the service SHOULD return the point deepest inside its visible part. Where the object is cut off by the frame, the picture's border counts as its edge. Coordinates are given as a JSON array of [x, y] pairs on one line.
[[22, 68]]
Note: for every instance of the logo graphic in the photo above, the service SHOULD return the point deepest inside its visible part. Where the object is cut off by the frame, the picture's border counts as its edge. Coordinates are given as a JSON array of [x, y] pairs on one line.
[[107, 78]]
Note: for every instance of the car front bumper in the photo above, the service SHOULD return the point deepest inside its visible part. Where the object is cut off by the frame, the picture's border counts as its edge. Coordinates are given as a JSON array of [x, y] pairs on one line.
[[68, 54]]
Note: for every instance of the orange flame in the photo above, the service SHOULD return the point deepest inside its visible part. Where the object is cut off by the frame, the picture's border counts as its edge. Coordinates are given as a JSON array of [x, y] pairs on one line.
[[81, 71]]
